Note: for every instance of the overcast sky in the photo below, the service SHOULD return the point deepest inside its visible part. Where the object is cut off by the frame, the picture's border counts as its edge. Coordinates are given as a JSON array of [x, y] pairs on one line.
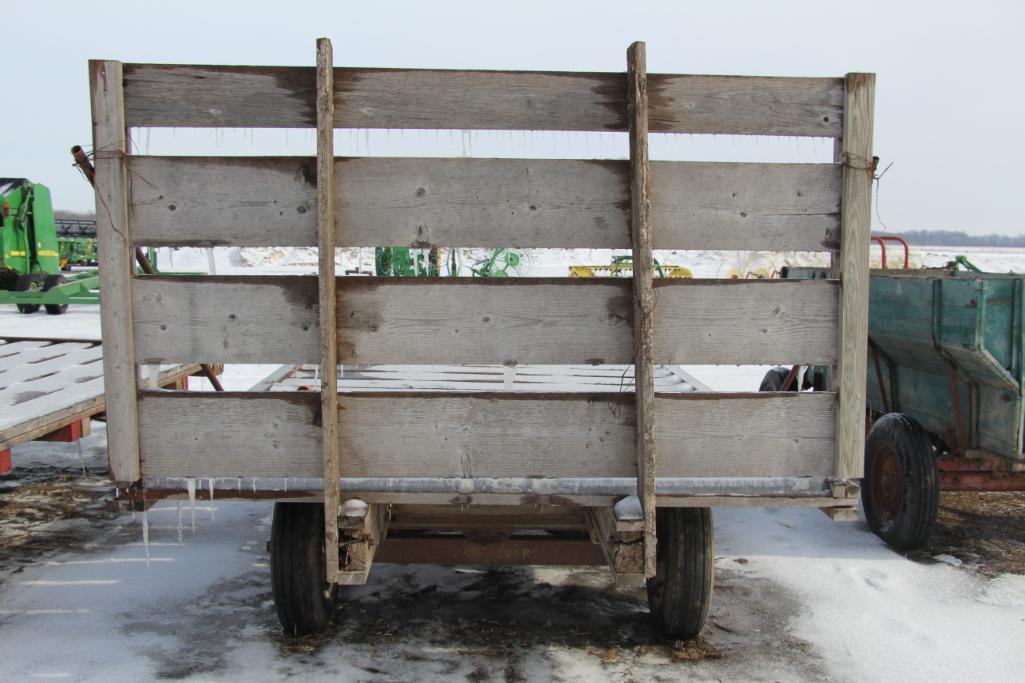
[[948, 106]]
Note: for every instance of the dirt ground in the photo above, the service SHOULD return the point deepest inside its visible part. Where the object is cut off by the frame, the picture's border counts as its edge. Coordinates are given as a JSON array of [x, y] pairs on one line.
[[985, 530]]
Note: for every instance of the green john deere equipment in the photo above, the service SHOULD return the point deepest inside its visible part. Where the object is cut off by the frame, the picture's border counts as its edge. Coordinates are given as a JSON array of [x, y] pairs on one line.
[[30, 253]]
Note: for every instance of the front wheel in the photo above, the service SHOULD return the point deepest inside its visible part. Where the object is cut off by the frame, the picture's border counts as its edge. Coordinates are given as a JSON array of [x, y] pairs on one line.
[[304, 600], [681, 592], [900, 494]]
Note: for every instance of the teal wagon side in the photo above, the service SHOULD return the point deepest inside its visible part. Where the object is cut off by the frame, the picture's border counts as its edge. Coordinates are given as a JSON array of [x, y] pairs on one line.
[[946, 349]]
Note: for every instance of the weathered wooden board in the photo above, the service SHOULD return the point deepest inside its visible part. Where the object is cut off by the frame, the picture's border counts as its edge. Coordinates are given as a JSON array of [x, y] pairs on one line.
[[116, 259], [541, 203], [166, 95], [274, 319], [486, 435], [852, 362]]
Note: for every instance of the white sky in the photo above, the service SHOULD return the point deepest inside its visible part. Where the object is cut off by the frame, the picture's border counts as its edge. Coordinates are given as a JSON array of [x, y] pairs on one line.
[[948, 89]]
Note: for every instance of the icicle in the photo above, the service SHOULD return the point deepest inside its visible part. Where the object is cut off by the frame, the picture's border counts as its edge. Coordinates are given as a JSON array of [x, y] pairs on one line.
[[178, 503], [286, 483], [240, 484], [145, 534], [210, 483], [254, 484], [191, 483]]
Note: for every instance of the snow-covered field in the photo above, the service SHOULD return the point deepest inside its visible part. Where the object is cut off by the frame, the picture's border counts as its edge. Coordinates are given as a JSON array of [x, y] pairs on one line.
[[797, 596]]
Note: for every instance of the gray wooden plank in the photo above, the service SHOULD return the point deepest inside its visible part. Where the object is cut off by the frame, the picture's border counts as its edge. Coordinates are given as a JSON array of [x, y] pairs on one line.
[[16, 354], [166, 95], [643, 293], [541, 203], [273, 319], [117, 262], [62, 356], [851, 366], [386, 435], [327, 292]]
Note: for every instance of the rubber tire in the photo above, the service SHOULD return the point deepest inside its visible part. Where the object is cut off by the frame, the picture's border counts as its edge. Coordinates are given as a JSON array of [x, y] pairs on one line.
[[28, 308], [681, 592], [910, 527], [304, 601], [774, 379], [55, 309]]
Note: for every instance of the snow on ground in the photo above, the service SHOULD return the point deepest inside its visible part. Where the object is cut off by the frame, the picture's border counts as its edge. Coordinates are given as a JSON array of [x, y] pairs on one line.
[[797, 596]]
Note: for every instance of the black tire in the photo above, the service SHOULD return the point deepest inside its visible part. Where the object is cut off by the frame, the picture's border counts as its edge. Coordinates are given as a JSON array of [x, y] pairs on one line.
[[681, 592], [55, 309], [773, 380], [900, 493], [28, 308], [304, 600]]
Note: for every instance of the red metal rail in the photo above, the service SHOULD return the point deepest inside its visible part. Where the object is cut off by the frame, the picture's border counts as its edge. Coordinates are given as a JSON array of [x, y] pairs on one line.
[[881, 240]]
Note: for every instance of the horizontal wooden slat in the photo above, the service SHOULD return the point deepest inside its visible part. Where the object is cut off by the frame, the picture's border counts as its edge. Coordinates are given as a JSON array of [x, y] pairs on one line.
[[485, 435], [273, 319], [166, 95], [270, 201]]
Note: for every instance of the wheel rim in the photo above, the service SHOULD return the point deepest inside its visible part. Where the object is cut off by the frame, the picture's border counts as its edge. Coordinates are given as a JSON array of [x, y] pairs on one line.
[[885, 482]]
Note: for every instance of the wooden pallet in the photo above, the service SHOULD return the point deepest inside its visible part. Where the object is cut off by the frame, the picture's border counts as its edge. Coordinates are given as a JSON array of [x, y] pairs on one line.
[[47, 386]]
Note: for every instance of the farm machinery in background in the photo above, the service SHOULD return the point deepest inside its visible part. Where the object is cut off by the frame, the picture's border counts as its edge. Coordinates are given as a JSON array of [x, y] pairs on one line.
[[39, 253], [945, 389], [34, 256]]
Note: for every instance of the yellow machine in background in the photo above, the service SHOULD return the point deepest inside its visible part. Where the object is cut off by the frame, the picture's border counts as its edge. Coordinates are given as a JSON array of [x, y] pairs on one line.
[[623, 266]]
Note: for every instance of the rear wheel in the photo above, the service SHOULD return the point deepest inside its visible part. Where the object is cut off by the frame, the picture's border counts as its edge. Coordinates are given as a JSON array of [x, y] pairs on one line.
[[304, 600], [681, 592], [900, 493]]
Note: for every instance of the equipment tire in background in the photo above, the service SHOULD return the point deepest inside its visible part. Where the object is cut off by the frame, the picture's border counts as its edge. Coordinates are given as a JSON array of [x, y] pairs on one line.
[[681, 592], [28, 308], [774, 378], [55, 309], [900, 493], [305, 602]]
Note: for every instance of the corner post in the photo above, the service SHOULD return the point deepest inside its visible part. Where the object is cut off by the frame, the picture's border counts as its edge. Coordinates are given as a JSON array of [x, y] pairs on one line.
[[327, 303], [643, 292], [116, 262], [852, 271]]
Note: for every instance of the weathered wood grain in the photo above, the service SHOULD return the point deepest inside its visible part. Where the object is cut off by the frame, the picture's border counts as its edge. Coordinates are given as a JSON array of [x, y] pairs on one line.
[[856, 222], [165, 95], [466, 435], [542, 203], [643, 293], [274, 319], [327, 293], [116, 260]]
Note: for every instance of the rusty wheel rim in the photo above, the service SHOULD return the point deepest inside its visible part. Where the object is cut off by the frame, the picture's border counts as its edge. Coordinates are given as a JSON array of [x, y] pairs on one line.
[[885, 481]]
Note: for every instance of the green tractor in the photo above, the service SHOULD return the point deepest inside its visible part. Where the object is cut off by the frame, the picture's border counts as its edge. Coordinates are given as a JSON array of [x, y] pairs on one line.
[[30, 253]]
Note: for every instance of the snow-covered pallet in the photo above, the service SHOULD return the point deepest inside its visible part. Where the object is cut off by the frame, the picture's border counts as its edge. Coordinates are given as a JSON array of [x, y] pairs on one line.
[[439, 441], [46, 385]]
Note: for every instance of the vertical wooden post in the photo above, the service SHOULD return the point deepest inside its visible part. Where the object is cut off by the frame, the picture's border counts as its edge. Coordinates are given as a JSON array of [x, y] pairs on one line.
[[328, 327], [116, 262], [855, 224], [644, 294]]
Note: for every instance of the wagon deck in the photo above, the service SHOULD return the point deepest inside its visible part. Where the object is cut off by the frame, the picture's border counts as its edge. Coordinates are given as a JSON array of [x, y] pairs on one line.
[[47, 385]]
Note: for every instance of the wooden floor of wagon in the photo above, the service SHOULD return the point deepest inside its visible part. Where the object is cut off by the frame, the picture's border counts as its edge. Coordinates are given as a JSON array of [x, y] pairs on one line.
[[49, 389]]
